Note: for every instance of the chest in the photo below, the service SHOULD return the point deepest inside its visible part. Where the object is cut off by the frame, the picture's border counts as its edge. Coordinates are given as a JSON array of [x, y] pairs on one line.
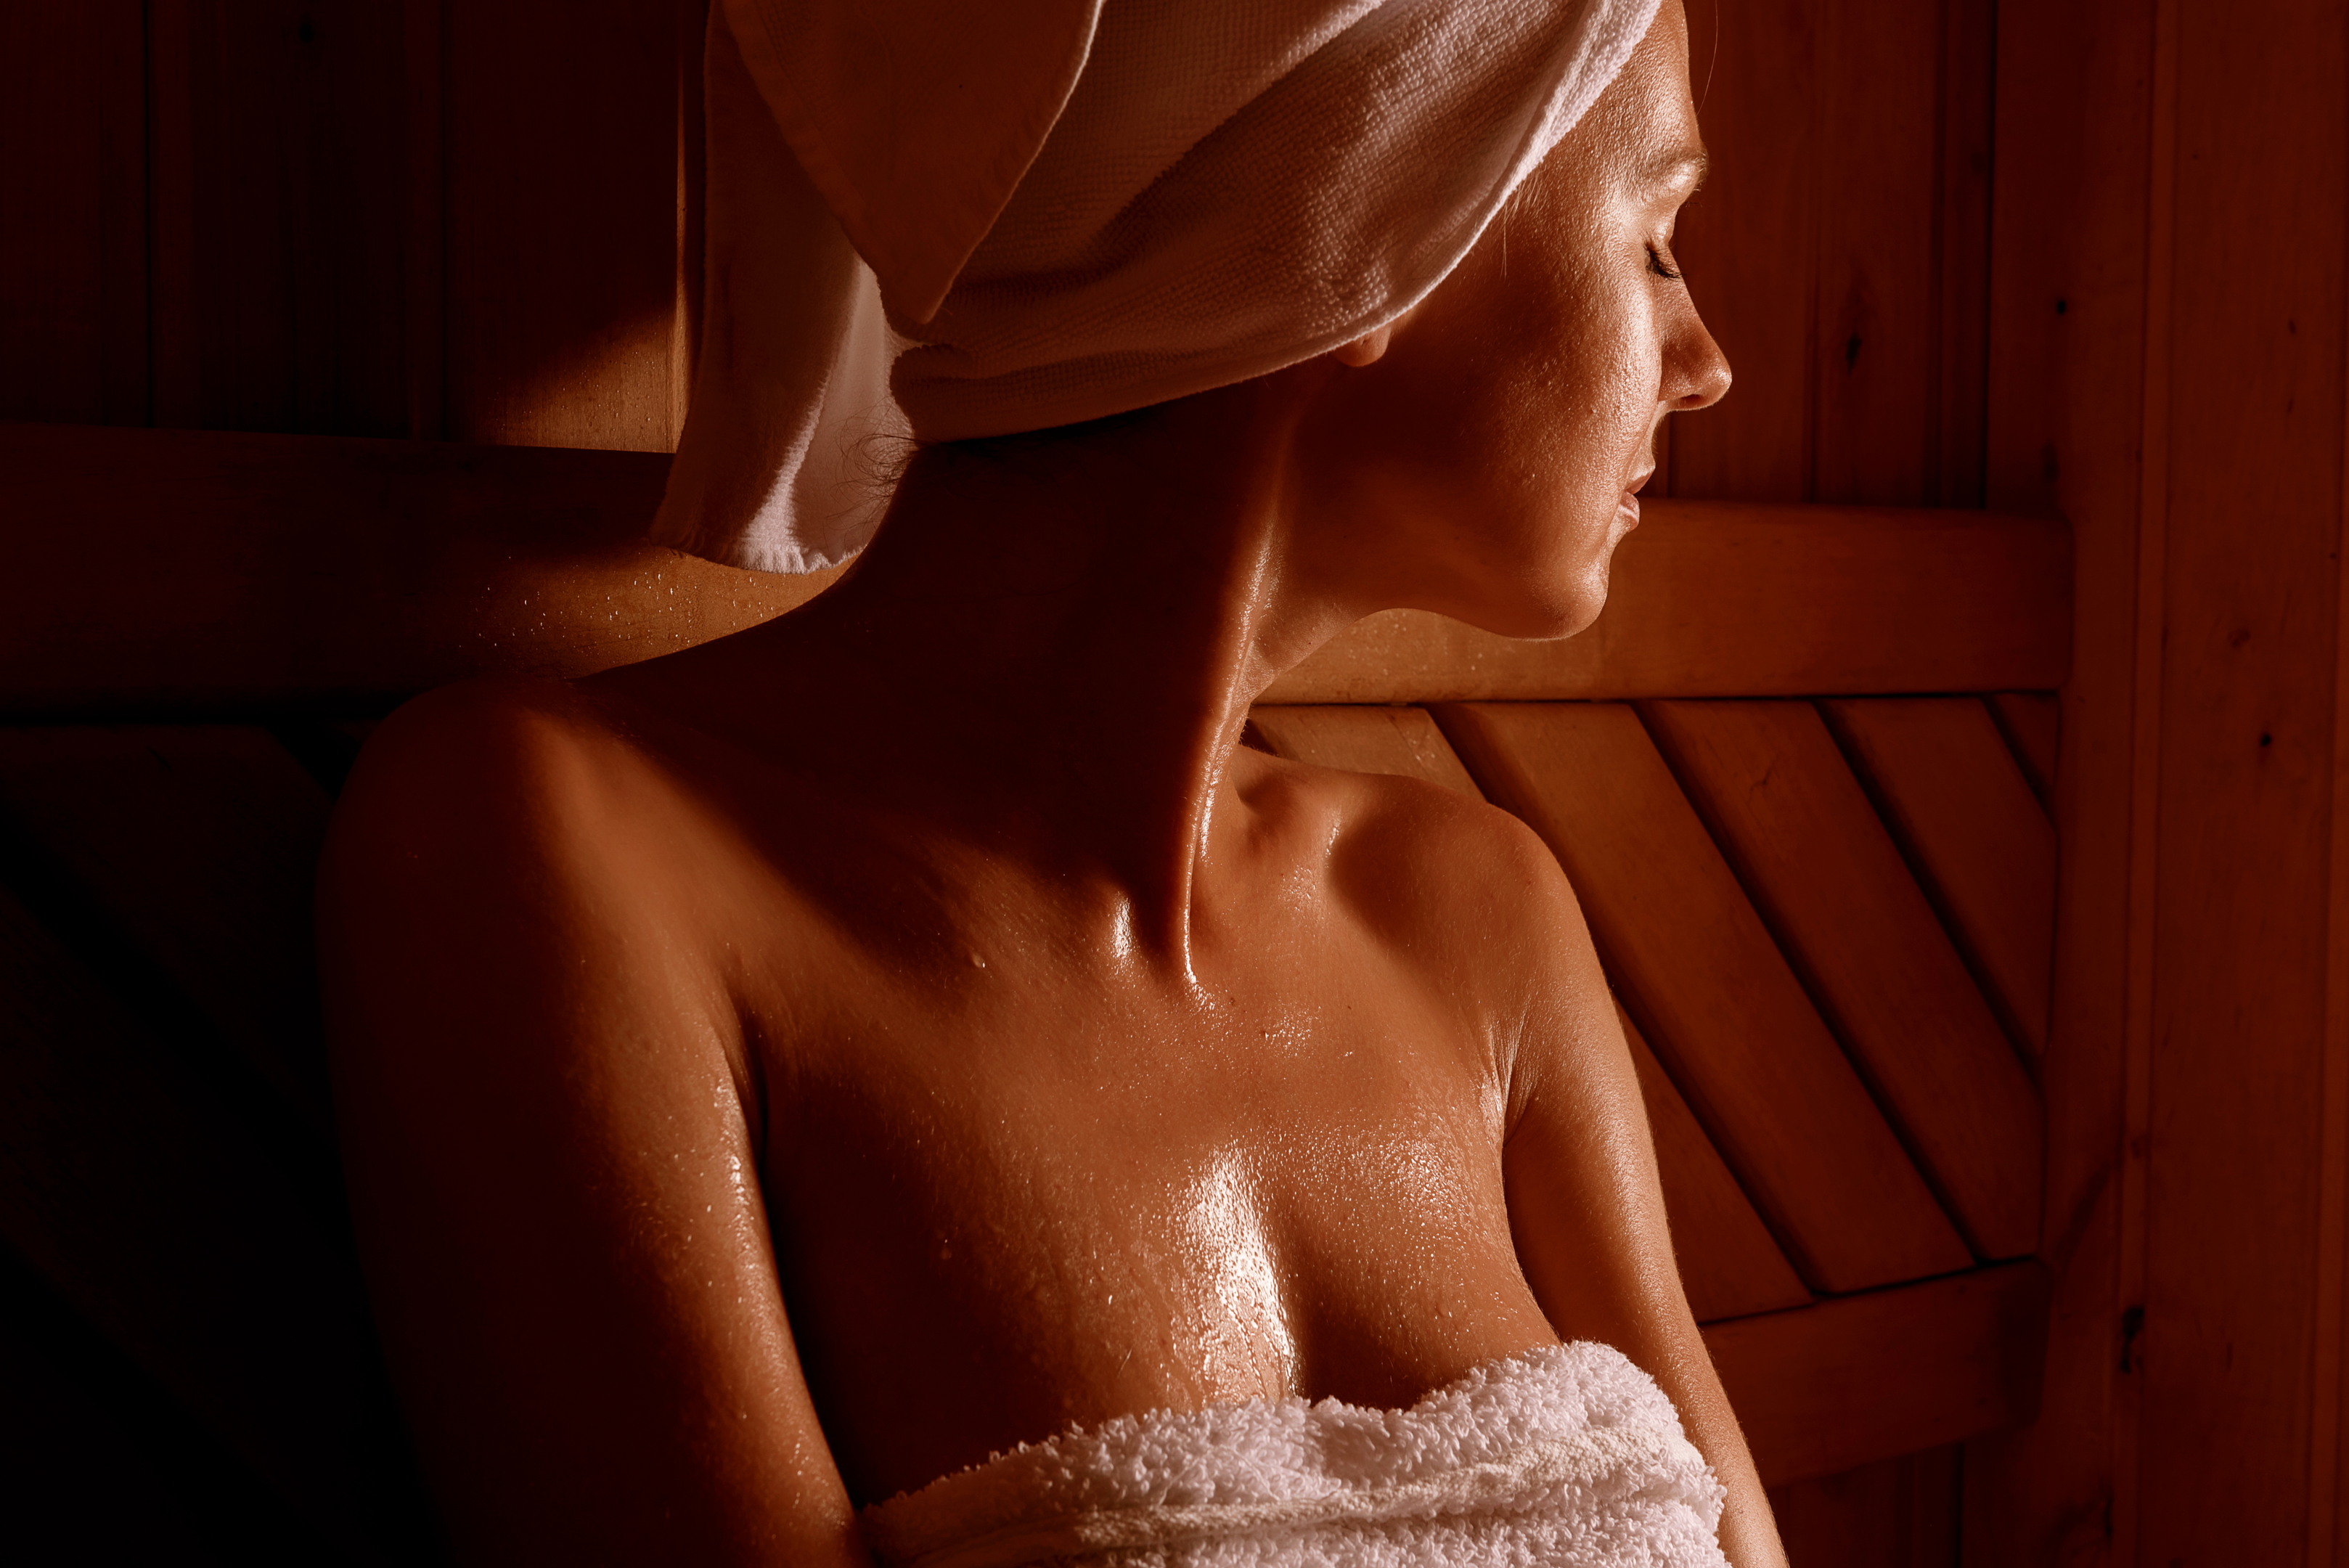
[[1034, 1209]]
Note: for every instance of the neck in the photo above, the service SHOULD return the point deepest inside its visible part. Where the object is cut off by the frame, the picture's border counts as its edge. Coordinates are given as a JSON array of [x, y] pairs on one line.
[[1070, 633]]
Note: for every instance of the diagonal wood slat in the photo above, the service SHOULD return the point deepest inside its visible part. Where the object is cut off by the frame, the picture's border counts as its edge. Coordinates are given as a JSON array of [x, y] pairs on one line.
[[1365, 740], [1981, 845], [2033, 723], [1694, 965], [1728, 1264], [200, 843], [190, 572], [1829, 882], [213, 1253]]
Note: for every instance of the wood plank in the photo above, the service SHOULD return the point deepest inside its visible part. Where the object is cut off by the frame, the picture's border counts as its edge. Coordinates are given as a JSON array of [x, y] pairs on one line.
[[280, 149], [561, 216], [212, 1252], [2068, 433], [338, 576], [1385, 738], [1893, 601], [1728, 1264], [200, 843], [1693, 963], [1826, 1388], [391, 567], [1745, 243], [1830, 884], [2250, 603], [1968, 110], [73, 233], [1951, 791], [1875, 433], [2032, 722], [1895, 1514]]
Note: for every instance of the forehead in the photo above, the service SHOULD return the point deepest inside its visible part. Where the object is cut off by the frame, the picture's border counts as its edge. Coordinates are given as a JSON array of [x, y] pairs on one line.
[[1643, 131]]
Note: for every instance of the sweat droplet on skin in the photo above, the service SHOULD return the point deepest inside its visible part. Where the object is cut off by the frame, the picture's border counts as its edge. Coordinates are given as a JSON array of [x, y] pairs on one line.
[[977, 961]]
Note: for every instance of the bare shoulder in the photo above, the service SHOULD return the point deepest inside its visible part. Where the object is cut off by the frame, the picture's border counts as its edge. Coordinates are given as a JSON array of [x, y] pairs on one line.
[[491, 837], [1468, 889]]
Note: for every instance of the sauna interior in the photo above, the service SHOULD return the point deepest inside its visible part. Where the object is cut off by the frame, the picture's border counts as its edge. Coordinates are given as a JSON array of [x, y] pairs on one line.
[[1950, 784]]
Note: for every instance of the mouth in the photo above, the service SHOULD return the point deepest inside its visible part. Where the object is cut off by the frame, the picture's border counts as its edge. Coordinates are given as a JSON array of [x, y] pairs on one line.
[[1629, 505]]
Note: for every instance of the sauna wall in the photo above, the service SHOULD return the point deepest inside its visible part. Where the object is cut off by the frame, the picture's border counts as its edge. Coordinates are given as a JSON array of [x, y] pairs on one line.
[[2083, 257]]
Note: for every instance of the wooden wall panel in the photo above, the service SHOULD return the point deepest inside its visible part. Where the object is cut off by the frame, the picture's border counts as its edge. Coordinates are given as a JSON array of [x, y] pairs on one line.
[[1823, 873], [564, 254], [2254, 525], [73, 221], [1876, 338], [2068, 432], [1949, 787], [201, 1240], [1895, 1514], [278, 186], [1694, 966], [1730, 1265], [1839, 250], [1745, 244]]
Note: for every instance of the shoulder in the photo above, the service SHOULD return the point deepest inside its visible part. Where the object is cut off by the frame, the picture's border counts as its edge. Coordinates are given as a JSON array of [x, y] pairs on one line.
[[489, 827], [1484, 904]]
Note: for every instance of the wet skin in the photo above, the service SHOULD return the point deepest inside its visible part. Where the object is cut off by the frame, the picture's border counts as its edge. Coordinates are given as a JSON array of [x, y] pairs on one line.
[[778, 1074]]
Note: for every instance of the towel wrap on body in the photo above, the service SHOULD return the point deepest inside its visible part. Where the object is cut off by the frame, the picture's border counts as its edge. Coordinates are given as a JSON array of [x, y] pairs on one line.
[[1567, 1456], [930, 222]]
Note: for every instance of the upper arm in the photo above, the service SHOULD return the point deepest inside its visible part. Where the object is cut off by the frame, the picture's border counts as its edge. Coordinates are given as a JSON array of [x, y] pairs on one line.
[[541, 1098], [1585, 1205]]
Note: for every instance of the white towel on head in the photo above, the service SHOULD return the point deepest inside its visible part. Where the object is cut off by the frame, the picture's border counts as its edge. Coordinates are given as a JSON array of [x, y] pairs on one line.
[[1568, 1455], [1066, 209]]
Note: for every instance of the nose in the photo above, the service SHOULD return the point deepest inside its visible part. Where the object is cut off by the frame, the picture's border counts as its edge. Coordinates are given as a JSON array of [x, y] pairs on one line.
[[1696, 372]]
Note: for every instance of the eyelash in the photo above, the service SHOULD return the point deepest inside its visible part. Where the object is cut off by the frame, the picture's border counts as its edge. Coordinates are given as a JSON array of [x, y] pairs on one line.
[[1659, 266]]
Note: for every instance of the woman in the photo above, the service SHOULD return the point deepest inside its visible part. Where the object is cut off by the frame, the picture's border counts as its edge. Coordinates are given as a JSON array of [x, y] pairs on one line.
[[780, 1074]]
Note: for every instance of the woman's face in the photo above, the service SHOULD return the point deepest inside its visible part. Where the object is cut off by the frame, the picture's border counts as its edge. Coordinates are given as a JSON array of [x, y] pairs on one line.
[[1482, 465]]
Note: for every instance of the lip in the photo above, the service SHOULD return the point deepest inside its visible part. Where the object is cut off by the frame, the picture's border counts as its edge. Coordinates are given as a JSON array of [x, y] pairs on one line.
[[1629, 505]]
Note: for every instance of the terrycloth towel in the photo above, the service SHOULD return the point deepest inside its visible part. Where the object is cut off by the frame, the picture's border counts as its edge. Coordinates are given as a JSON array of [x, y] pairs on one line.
[[951, 220], [1566, 1456]]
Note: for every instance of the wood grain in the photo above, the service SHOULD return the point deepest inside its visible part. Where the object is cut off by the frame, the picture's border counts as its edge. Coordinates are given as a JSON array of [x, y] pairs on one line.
[[1877, 343], [213, 1253], [187, 573], [1728, 1264], [1951, 791], [200, 845], [1830, 884], [2070, 354], [1746, 246], [1711, 994], [2249, 604], [1365, 740], [1828, 1387]]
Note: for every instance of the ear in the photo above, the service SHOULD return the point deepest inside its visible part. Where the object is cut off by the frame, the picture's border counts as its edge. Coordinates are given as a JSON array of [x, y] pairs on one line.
[[1365, 349]]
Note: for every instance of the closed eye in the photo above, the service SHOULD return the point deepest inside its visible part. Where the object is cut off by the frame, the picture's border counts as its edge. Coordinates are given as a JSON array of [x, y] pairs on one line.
[[1659, 266]]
